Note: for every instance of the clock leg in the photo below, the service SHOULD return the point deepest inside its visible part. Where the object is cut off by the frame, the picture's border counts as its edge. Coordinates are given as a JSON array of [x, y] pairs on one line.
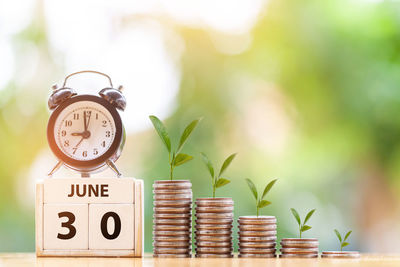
[[58, 165], [113, 167]]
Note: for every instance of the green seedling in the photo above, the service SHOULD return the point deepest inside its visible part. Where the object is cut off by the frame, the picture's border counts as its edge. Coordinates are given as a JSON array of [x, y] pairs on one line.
[[343, 242], [302, 226], [217, 180], [175, 158], [260, 201]]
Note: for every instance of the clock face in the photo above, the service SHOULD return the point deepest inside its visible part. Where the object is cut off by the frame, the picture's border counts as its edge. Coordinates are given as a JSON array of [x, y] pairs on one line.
[[84, 130]]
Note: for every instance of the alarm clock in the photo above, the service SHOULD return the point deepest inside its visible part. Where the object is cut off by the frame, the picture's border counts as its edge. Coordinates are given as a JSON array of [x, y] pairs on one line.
[[85, 132]]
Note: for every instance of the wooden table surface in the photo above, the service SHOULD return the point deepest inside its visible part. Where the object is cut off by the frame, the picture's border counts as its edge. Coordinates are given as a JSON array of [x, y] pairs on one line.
[[29, 259]]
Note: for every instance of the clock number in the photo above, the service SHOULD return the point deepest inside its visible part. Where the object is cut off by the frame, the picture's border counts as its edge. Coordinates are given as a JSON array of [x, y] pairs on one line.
[[75, 149], [104, 123], [66, 143], [108, 133], [95, 151], [84, 154], [76, 116], [117, 225], [68, 123], [63, 133], [67, 224], [103, 144]]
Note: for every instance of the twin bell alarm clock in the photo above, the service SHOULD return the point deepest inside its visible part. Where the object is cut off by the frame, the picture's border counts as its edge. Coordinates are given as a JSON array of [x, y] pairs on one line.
[[85, 132]]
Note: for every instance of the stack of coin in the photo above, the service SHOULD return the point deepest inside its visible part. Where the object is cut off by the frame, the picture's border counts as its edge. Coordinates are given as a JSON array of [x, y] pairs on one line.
[[172, 219], [299, 248], [340, 254], [214, 219], [257, 236]]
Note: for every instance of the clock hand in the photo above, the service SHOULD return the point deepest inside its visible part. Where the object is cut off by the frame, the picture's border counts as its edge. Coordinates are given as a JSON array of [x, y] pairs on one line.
[[84, 121], [79, 143], [77, 134], [87, 124]]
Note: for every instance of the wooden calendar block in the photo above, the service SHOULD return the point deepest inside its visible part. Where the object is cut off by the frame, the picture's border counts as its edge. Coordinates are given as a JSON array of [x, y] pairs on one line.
[[66, 226], [89, 217], [116, 229]]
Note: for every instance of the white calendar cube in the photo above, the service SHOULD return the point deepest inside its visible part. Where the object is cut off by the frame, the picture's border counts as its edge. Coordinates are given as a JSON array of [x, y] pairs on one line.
[[89, 217]]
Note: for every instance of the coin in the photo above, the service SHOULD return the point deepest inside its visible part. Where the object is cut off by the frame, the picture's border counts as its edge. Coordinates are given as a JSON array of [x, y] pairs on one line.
[[340, 254], [257, 233], [171, 250], [172, 238], [172, 233], [257, 220], [257, 244], [214, 250], [214, 209], [171, 227], [214, 216], [173, 197], [299, 250], [208, 238], [214, 221], [249, 227], [172, 221], [256, 238], [213, 226], [184, 216], [171, 244], [205, 255], [171, 210], [214, 202], [165, 255], [213, 244], [213, 232], [298, 255], [172, 191], [299, 242], [248, 255], [257, 250]]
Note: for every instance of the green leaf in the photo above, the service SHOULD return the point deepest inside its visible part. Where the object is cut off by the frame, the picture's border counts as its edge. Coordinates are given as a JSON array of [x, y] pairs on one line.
[[296, 215], [338, 235], [263, 203], [181, 159], [221, 182], [226, 163], [309, 216], [208, 163], [347, 235], [268, 187], [162, 131], [344, 244], [186, 133], [252, 188], [305, 228]]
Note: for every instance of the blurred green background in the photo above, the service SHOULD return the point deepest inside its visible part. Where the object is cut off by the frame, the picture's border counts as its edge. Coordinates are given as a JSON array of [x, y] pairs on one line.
[[304, 91]]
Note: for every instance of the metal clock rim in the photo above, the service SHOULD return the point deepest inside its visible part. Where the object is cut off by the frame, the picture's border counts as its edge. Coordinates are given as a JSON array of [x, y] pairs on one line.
[[90, 164]]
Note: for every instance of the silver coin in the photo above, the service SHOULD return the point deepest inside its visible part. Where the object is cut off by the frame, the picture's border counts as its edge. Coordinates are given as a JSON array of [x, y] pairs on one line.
[[171, 210], [249, 255], [173, 197], [257, 227], [173, 203], [257, 244], [215, 216], [164, 255], [299, 242], [207, 238], [213, 226], [257, 233], [213, 244], [183, 216], [172, 191], [172, 221], [214, 221], [299, 250], [340, 254], [172, 227], [257, 238], [214, 200], [257, 250], [257, 220], [172, 250], [298, 256], [205, 255], [172, 233], [168, 244], [214, 250], [213, 232], [185, 238]]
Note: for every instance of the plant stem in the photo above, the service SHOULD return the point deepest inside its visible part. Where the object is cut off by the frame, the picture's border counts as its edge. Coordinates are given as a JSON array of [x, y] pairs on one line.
[[171, 172], [300, 230], [257, 207], [341, 248]]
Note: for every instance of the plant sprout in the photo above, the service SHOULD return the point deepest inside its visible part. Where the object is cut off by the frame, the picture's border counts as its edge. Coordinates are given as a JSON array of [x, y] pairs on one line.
[[175, 158], [302, 226], [260, 201], [343, 242], [217, 180]]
